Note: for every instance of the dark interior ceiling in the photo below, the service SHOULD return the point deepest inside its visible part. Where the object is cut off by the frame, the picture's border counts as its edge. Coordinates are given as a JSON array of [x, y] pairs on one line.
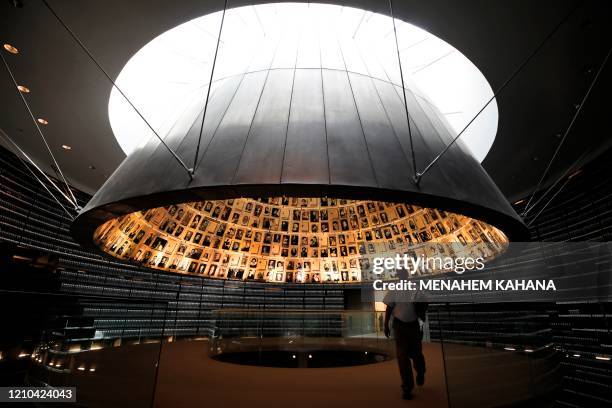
[[72, 94]]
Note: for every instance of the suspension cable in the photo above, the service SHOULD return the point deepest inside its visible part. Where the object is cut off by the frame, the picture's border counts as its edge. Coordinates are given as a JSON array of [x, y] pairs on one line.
[[565, 173], [70, 199], [212, 72], [569, 127], [548, 202], [19, 150], [399, 61], [95, 61], [419, 175]]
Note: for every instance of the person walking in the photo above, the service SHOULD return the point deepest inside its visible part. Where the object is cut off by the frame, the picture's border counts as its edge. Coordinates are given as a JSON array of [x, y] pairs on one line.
[[406, 314]]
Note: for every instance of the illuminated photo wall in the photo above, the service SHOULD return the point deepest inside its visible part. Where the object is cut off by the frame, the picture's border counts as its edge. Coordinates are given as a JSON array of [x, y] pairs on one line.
[[281, 239]]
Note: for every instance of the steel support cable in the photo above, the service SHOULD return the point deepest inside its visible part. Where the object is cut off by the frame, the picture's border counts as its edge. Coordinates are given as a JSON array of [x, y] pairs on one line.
[[522, 65], [567, 130], [564, 175], [72, 200], [548, 202], [18, 155], [212, 72], [399, 61], [95, 61]]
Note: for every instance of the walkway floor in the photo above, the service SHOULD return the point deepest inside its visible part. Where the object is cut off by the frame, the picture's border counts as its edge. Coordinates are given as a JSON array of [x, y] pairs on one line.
[[189, 378]]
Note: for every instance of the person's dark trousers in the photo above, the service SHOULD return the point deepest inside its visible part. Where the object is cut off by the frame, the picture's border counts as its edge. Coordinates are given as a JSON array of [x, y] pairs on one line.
[[408, 347]]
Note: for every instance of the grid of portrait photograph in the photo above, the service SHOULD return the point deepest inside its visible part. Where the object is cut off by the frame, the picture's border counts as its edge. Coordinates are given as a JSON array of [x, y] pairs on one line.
[[288, 239]]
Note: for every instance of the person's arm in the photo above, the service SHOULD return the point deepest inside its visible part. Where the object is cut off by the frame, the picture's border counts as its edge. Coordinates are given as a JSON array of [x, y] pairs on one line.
[[388, 312]]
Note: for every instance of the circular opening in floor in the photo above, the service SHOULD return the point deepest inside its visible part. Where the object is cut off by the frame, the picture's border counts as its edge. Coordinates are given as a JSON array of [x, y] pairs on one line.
[[303, 359]]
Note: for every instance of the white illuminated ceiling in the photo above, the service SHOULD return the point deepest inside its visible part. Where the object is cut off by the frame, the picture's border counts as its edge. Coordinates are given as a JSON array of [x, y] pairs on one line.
[[171, 72]]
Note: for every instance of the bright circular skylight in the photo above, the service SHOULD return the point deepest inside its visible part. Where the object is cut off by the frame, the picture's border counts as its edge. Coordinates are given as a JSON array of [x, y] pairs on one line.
[[172, 71]]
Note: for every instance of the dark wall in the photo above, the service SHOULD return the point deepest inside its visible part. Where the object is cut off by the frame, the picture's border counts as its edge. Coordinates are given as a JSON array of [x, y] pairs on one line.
[[34, 230]]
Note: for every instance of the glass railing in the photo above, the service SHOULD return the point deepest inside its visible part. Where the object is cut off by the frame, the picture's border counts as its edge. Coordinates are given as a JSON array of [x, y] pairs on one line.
[[497, 354], [298, 338], [115, 351], [107, 348]]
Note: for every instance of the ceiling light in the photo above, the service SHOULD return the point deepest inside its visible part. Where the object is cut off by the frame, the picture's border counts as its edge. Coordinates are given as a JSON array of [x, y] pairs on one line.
[[453, 84], [11, 49], [42, 121], [81, 368], [23, 89], [91, 370], [66, 147]]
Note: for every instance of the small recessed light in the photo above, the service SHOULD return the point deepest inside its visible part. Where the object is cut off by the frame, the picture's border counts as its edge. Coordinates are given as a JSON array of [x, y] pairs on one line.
[[91, 370], [42, 121], [23, 89], [81, 368], [66, 147], [11, 49], [92, 167]]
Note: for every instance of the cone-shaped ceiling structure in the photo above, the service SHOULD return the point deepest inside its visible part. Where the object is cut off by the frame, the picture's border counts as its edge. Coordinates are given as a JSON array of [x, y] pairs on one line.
[[303, 173]]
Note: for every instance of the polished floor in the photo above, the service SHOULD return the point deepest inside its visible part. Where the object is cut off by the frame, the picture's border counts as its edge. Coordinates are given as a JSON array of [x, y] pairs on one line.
[[186, 377], [189, 378]]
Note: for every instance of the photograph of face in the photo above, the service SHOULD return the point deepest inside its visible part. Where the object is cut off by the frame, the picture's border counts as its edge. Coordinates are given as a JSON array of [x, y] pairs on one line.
[[344, 225]]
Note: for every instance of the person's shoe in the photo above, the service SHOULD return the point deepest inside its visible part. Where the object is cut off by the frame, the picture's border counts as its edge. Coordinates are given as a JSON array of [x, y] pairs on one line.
[[420, 379], [407, 395]]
